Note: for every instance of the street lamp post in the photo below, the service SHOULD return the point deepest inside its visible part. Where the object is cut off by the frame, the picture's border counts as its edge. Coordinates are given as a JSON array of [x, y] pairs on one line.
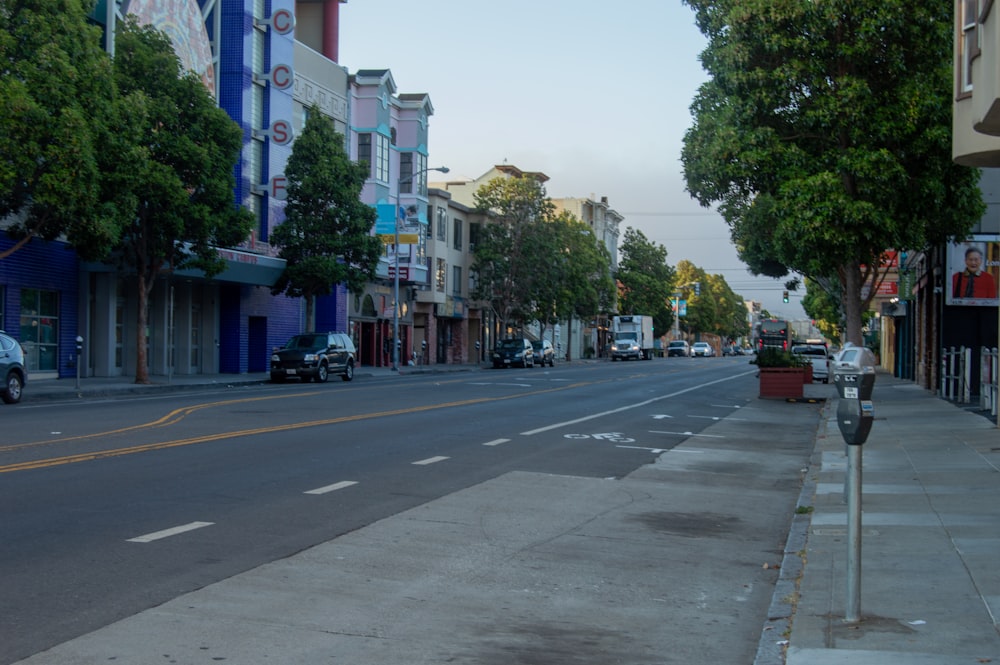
[[395, 277]]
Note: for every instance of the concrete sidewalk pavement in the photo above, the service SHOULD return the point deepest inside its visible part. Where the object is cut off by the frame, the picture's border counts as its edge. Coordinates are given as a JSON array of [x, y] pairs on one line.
[[930, 562]]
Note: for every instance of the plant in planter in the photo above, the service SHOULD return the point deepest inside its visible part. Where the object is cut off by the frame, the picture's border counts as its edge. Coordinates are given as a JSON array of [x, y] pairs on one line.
[[781, 373]]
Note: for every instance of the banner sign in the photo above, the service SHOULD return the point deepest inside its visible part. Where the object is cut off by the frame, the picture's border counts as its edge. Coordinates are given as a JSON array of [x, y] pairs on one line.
[[973, 272]]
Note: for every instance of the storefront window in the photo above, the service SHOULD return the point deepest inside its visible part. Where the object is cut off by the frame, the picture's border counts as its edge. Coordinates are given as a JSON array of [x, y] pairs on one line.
[[40, 329]]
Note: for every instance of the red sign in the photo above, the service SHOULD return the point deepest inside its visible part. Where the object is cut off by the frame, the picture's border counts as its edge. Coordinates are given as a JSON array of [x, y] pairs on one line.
[[404, 272]]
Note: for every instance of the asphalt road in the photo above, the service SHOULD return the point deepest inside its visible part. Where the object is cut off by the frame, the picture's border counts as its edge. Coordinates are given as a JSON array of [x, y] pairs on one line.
[[115, 506]]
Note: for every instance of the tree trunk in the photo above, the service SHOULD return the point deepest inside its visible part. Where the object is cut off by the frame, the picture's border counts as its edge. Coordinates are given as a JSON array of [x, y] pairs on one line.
[[310, 313], [852, 303], [141, 357]]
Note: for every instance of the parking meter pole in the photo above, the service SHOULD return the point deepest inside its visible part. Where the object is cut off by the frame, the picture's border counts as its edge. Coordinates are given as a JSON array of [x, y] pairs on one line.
[[79, 353], [853, 610], [854, 376]]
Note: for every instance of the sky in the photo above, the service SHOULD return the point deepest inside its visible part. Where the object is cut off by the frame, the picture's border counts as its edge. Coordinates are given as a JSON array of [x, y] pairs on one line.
[[595, 95]]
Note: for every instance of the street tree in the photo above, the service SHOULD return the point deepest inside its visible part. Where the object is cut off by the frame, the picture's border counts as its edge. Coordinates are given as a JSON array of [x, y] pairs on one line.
[[56, 88], [646, 281], [326, 236], [504, 261], [823, 135], [176, 178]]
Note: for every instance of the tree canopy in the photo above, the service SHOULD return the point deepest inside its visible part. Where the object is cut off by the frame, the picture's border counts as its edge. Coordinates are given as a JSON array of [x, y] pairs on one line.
[[326, 236], [823, 134], [713, 307], [646, 280], [504, 260], [56, 88], [175, 181]]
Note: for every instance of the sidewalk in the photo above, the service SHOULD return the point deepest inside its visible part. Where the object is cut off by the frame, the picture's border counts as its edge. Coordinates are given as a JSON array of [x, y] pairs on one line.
[[930, 562], [930, 591]]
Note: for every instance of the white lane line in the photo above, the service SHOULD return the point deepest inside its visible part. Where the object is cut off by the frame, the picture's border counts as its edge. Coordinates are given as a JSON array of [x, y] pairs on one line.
[[632, 406], [166, 533], [706, 436], [431, 460], [496, 442], [332, 488], [656, 451]]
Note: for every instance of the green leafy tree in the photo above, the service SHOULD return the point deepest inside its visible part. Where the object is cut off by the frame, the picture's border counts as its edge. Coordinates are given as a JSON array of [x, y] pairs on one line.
[[823, 134], [326, 236], [176, 179], [646, 281], [823, 308], [504, 259], [56, 91]]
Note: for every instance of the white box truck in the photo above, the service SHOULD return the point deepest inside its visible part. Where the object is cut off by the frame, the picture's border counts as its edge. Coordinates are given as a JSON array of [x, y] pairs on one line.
[[633, 337]]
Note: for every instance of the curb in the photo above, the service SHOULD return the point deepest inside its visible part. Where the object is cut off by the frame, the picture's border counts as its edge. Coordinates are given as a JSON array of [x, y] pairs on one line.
[[772, 646]]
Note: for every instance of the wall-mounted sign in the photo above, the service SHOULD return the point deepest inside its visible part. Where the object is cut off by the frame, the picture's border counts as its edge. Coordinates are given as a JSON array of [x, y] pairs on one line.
[[276, 188], [280, 132], [281, 22], [280, 77], [973, 272]]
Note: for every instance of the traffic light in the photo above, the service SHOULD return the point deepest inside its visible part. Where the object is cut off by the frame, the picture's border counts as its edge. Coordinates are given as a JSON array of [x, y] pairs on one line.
[[784, 296]]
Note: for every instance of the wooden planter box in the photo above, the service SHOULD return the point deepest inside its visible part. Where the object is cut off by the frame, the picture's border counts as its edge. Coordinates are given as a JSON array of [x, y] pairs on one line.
[[781, 382], [807, 373]]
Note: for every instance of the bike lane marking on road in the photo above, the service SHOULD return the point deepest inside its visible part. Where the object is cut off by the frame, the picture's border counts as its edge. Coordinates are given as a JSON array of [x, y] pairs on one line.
[[628, 407], [166, 533], [332, 488], [430, 460]]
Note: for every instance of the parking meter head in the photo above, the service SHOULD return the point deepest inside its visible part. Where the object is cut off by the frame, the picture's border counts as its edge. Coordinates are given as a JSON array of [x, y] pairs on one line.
[[854, 376]]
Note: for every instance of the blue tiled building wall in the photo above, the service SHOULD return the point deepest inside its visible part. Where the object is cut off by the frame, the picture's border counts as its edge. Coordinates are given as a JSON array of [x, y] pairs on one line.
[[48, 266]]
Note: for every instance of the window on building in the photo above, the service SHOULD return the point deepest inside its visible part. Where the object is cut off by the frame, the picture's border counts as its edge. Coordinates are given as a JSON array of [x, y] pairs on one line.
[[456, 234], [473, 283], [442, 225], [405, 172], [473, 236], [440, 275], [381, 158], [40, 329], [456, 280], [365, 150], [969, 45]]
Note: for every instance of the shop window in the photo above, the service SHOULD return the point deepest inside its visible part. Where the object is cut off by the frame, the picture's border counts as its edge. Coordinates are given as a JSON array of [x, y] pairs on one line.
[[40, 329]]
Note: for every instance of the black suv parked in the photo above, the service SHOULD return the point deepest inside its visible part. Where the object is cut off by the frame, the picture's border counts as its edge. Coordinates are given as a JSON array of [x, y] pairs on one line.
[[515, 351], [11, 369], [544, 353], [314, 356]]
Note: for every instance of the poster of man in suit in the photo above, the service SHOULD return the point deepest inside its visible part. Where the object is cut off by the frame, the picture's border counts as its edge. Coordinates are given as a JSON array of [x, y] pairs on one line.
[[974, 267]]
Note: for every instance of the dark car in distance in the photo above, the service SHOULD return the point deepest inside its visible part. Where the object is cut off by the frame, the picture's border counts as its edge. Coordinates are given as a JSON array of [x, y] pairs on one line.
[[678, 347], [314, 356], [514, 351], [11, 369], [544, 353]]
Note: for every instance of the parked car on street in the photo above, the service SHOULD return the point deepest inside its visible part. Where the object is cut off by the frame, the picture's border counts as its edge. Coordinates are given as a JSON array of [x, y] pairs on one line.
[[11, 369], [514, 351], [678, 347], [703, 349], [314, 356], [544, 353], [818, 356]]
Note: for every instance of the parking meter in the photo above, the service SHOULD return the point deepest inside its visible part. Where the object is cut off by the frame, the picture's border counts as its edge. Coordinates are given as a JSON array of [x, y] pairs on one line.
[[854, 376]]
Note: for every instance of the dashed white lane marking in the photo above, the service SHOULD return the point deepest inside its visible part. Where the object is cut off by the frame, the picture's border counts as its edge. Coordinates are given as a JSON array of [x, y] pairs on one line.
[[431, 460], [655, 451], [332, 488], [166, 533], [706, 436], [496, 442]]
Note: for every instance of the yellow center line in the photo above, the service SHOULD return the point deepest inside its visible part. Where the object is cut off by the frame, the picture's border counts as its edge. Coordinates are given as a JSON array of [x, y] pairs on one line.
[[163, 445]]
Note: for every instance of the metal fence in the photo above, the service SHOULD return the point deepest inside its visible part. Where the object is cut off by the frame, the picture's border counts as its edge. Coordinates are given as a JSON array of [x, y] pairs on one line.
[[988, 379], [955, 374]]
